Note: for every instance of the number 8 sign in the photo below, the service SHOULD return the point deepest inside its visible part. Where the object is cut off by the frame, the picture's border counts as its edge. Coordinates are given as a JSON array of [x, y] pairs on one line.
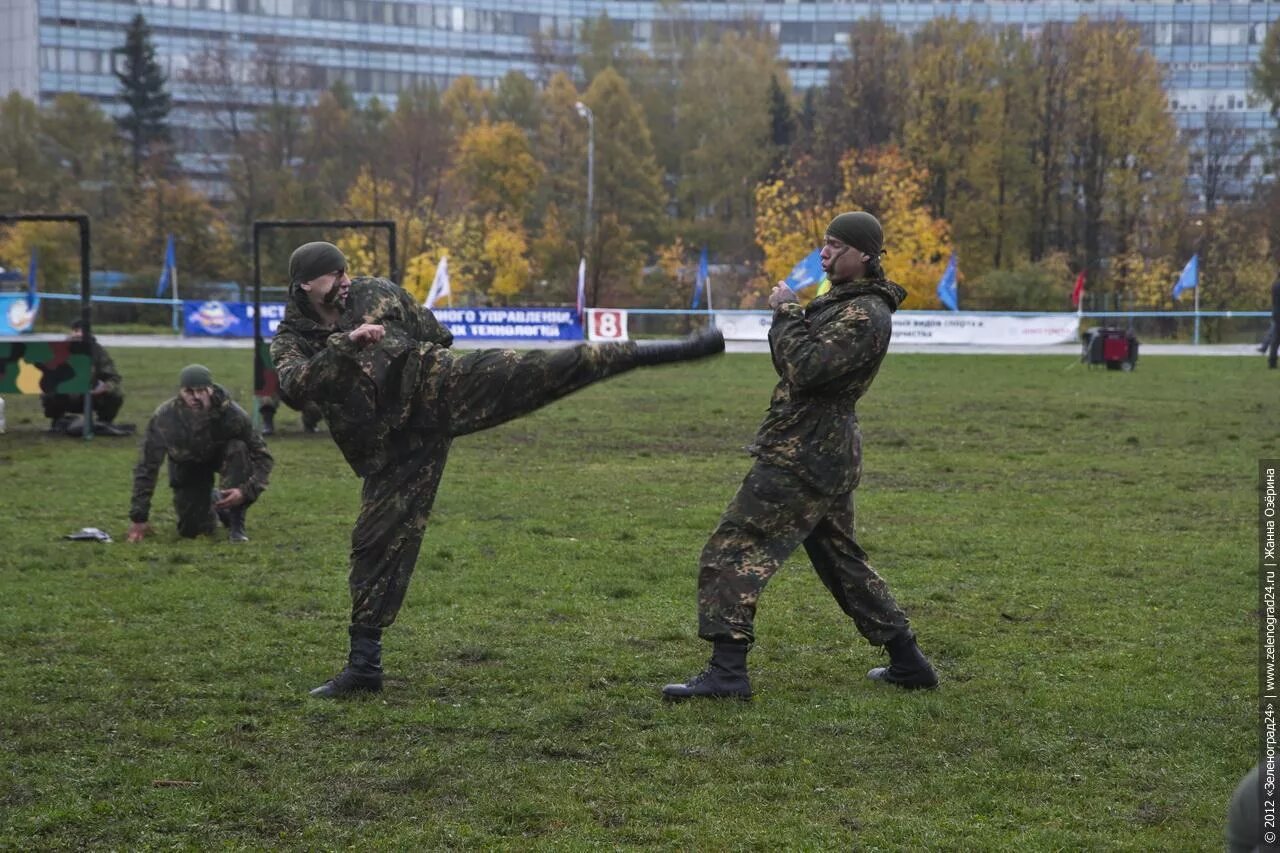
[[606, 324]]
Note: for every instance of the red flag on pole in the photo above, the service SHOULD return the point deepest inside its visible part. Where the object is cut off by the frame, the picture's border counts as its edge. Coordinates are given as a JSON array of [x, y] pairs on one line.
[[1078, 290]]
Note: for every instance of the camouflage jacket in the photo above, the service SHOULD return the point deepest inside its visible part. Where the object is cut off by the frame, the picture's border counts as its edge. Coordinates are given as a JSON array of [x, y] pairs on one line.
[[185, 435], [826, 354], [104, 370], [367, 394]]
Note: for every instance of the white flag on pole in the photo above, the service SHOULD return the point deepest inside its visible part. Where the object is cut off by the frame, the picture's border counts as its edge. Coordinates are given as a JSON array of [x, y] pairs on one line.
[[440, 284]]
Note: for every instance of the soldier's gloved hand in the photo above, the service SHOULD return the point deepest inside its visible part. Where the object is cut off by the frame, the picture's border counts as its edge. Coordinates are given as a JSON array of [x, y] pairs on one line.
[[366, 334], [230, 498], [137, 531], [781, 295]]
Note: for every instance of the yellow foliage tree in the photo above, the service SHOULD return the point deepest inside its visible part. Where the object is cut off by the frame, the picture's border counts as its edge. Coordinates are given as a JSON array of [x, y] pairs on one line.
[[881, 181], [506, 247], [495, 169]]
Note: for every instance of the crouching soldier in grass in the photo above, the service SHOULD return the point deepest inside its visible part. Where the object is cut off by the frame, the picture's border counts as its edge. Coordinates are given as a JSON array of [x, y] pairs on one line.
[[202, 432], [395, 397], [808, 456]]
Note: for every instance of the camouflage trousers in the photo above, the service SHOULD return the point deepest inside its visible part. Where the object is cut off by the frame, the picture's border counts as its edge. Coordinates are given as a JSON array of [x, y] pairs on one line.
[[192, 484], [105, 406], [479, 390], [772, 514]]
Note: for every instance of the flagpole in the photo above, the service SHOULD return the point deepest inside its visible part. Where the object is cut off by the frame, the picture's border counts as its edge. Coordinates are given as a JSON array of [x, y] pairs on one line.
[[173, 272], [711, 317], [1197, 308]]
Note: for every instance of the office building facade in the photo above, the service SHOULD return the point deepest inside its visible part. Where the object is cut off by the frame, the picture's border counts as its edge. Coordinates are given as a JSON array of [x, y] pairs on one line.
[[378, 47]]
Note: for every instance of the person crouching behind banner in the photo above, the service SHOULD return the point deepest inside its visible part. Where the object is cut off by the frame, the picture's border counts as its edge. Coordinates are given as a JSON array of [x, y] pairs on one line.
[[104, 389], [202, 433]]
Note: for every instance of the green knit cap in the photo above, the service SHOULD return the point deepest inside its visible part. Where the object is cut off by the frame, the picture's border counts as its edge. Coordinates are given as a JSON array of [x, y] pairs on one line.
[[312, 260], [195, 376], [860, 230]]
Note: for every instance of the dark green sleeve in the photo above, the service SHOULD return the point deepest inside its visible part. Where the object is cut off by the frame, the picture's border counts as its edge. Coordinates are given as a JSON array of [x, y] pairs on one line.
[[240, 426], [104, 369], [423, 324], [150, 455], [323, 377], [811, 357], [434, 331]]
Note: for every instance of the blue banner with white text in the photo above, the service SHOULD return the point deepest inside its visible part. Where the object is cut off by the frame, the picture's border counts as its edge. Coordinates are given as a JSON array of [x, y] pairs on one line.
[[532, 324], [211, 318]]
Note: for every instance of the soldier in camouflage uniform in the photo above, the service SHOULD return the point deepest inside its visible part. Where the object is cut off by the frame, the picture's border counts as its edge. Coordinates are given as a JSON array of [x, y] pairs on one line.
[[203, 433], [395, 397], [808, 455], [104, 388]]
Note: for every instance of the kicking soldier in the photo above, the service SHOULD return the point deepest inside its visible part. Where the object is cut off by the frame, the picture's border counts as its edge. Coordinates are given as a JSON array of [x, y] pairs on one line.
[[395, 396]]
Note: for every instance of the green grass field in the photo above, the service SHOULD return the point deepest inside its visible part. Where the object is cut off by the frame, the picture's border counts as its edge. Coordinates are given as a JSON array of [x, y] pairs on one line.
[[1077, 550]]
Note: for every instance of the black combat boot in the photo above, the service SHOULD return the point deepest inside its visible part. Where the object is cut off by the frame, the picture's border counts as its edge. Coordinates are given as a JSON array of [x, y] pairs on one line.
[[908, 667], [363, 672], [268, 421], [724, 678], [700, 344], [235, 524]]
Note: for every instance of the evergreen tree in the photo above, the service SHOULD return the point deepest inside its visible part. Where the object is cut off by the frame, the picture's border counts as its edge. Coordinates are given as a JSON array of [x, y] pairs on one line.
[[782, 121], [142, 84]]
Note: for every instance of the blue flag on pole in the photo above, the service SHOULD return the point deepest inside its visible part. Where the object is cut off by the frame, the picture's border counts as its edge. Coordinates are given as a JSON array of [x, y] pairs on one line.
[[806, 273], [1190, 276], [700, 282], [31, 281], [948, 292], [170, 264]]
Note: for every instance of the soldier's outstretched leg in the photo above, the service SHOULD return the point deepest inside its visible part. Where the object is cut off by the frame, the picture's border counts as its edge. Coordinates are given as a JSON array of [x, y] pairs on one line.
[[490, 387]]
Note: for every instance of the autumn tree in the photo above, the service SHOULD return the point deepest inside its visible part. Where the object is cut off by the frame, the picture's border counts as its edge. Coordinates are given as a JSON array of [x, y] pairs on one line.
[[790, 223], [995, 196], [863, 103], [203, 243], [723, 120], [78, 136], [516, 101], [1125, 164], [30, 177], [628, 189], [953, 68], [560, 145]]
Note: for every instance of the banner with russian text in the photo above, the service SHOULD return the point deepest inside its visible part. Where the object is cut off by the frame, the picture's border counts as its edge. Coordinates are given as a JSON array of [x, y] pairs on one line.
[[211, 318], [937, 327], [530, 324]]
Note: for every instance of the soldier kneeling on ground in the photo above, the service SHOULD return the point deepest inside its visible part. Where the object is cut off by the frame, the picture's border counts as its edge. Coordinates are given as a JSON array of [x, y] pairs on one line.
[[202, 432]]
